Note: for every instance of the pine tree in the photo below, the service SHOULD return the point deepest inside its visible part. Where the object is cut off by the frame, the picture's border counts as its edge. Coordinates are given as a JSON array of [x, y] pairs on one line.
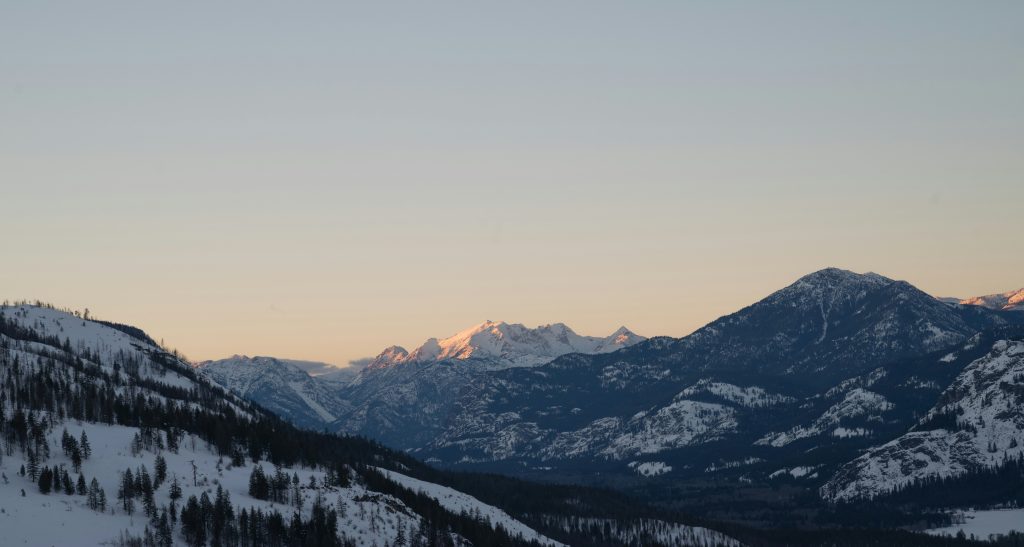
[[93, 496], [259, 487], [164, 534], [126, 492], [160, 471], [80, 488], [192, 523], [65, 439], [65, 480], [83, 444], [297, 497], [76, 456], [172, 442], [175, 490], [45, 480], [33, 464]]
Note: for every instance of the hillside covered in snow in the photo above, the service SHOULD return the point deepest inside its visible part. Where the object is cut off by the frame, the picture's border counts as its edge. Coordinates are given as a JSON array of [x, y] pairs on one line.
[[107, 438]]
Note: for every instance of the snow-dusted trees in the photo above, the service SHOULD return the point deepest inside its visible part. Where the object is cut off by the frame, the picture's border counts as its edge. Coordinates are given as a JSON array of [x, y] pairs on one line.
[[159, 471], [259, 486], [193, 527], [126, 492], [95, 497], [83, 444], [45, 480]]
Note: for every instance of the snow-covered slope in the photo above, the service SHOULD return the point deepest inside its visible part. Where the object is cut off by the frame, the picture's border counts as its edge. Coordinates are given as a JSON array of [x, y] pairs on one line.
[[279, 386], [983, 408], [983, 524], [365, 517], [457, 502], [1007, 301], [856, 403], [648, 531], [98, 343], [103, 382], [499, 345], [64, 379]]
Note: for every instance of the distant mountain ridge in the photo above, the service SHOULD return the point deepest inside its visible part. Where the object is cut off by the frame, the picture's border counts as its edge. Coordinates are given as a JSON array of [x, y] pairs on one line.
[[378, 399], [793, 388], [505, 345], [645, 400], [1007, 301]]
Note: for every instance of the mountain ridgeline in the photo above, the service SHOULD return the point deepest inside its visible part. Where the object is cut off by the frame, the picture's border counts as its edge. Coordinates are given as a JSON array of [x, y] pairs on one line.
[[107, 438], [829, 389]]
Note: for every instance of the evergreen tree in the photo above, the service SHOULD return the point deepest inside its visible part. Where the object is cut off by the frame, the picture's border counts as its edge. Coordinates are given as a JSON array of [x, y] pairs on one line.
[[45, 480], [160, 471], [126, 492], [83, 444], [33, 463], [164, 533], [175, 490], [93, 495], [65, 480], [76, 456], [259, 486], [193, 527]]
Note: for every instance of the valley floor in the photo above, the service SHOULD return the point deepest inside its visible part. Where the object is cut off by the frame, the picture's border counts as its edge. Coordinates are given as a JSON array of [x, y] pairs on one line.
[[983, 523]]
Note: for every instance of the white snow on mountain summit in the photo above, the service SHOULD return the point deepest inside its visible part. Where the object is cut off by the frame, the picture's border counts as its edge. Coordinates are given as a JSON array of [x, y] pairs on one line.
[[505, 345], [1007, 301]]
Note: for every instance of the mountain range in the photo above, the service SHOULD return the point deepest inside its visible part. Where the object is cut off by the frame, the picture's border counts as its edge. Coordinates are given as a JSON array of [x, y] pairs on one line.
[[500, 345], [1007, 301], [832, 386], [834, 411], [400, 394], [106, 438]]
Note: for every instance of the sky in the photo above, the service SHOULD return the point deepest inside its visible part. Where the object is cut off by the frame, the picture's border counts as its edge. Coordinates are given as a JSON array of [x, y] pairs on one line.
[[321, 180]]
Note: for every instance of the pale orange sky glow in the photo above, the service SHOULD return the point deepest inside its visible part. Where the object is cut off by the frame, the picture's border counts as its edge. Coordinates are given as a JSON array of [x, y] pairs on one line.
[[321, 188]]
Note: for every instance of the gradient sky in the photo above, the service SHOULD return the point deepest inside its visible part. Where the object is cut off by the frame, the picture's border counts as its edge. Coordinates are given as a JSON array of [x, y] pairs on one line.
[[321, 180]]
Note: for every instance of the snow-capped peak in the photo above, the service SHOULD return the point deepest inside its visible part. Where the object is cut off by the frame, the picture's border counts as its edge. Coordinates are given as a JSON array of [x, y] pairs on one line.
[[504, 345], [831, 277], [390, 356], [625, 337], [1007, 301]]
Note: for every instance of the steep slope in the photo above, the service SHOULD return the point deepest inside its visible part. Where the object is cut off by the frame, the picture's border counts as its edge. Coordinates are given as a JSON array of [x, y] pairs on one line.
[[279, 386], [179, 460], [405, 406], [976, 423]]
